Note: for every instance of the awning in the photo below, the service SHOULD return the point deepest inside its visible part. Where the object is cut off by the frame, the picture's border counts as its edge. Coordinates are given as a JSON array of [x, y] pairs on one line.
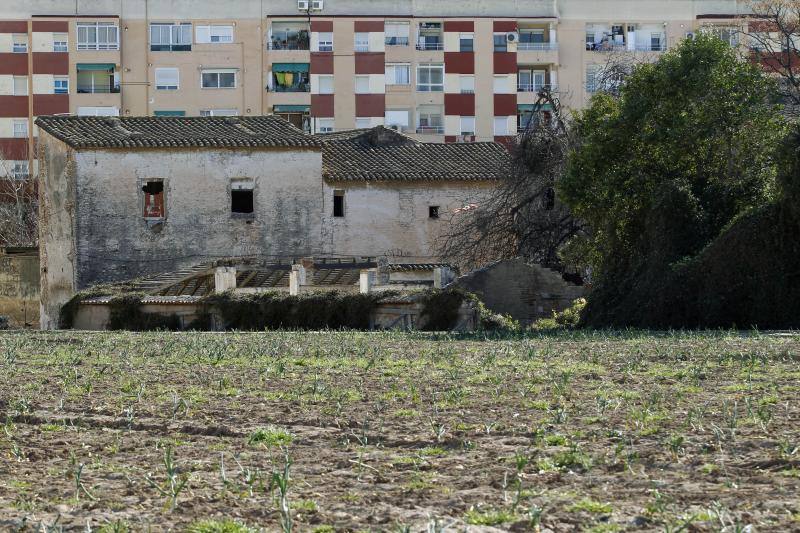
[[96, 66], [290, 67], [291, 109], [529, 107]]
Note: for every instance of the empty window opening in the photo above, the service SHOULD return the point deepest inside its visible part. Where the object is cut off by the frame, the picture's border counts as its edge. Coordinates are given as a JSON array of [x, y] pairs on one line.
[[242, 201], [338, 203], [153, 199], [433, 211]]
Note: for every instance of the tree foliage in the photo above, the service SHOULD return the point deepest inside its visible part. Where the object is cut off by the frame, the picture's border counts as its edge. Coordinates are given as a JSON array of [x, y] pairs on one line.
[[659, 172]]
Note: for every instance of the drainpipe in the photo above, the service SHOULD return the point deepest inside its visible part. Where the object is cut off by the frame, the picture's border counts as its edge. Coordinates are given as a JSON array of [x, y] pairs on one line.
[[30, 98]]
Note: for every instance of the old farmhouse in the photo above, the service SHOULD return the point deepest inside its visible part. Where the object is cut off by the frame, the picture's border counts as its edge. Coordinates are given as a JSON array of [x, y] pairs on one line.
[[125, 198]]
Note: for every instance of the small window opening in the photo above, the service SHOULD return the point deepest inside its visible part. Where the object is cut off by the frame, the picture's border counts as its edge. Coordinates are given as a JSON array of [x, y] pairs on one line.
[[153, 199], [242, 201], [338, 203], [433, 211]]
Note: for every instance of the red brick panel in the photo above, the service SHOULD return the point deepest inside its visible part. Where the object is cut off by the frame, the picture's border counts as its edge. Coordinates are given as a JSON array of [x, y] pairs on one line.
[[370, 62], [51, 63], [322, 25], [321, 63], [370, 105], [764, 26], [505, 105], [505, 62], [14, 148], [58, 26], [322, 105], [13, 26], [360, 26], [459, 104], [505, 25], [466, 26], [13, 106], [459, 62], [450, 138], [16, 64], [50, 104]]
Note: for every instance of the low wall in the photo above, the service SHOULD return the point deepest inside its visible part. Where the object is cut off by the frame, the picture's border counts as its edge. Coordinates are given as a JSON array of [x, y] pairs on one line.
[[19, 286]]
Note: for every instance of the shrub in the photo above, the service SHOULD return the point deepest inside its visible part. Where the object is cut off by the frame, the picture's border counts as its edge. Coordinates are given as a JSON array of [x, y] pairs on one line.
[[567, 319]]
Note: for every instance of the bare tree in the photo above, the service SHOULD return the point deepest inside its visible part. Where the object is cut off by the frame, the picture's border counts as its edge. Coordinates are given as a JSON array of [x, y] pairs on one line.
[[523, 217], [18, 205], [773, 37]]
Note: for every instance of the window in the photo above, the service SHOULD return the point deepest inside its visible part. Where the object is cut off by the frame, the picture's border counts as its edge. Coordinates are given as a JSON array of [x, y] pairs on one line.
[[338, 203], [655, 42], [218, 112], [20, 85], [466, 42], [326, 84], [430, 36], [467, 84], [167, 79], [325, 125], [467, 125], [531, 80], [218, 79], [501, 125], [242, 203], [502, 85], [430, 78], [20, 128], [363, 123], [214, 34], [60, 42], [167, 113], [19, 170], [362, 84], [19, 43], [396, 118], [362, 42], [590, 40], [433, 211], [94, 111], [396, 33], [429, 120], [325, 41], [153, 205], [500, 42], [171, 37], [531, 36], [398, 74], [98, 36], [61, 85]]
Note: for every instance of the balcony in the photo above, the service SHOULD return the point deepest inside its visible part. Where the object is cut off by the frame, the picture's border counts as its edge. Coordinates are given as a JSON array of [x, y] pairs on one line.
[[290, 78], [430, 45], [97, 89], [429, 130], [289, 36], [97, 78]]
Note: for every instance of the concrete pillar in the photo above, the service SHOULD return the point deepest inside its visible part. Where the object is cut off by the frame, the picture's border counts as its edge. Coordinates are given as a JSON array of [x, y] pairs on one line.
[[367, 280], [552, 36], [297, 278], [554, 80], [224, 279]]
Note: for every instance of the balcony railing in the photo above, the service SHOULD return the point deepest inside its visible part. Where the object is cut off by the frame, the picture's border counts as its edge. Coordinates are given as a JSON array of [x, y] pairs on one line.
[[288, 45], [97, 89], [430, 130], [536, 87], [396, 41], [609, 47], [537, 46], [430, 46], [651, 47], [299, 88]]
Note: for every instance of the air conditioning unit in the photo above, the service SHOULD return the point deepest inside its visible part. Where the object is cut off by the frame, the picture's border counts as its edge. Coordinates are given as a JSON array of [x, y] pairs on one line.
[[316, 5], [690, 35], [512, 37], [395, 127], [302, 5], [465, 139]]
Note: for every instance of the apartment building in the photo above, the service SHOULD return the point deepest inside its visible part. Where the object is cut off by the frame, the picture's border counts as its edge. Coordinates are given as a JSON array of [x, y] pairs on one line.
[[444, 71]]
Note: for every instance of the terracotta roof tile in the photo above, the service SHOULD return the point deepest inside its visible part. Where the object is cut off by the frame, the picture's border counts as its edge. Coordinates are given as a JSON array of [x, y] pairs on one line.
[[176, 132]]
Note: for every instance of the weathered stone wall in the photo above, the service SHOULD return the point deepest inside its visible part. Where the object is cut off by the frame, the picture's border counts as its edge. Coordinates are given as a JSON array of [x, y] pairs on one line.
[[526, 292], [115, 242], [19, 288], [391, 218], [56, 228]]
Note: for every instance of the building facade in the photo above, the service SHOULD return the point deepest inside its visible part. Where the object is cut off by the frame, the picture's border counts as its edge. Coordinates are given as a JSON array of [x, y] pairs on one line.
[[449, 70]]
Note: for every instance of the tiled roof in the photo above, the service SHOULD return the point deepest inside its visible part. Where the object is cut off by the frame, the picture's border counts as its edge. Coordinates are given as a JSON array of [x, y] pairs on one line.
[[380, 154], [176, 132]]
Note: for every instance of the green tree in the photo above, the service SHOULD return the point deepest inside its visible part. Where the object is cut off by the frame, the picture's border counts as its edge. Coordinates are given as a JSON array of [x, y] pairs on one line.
[[660, 171]]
